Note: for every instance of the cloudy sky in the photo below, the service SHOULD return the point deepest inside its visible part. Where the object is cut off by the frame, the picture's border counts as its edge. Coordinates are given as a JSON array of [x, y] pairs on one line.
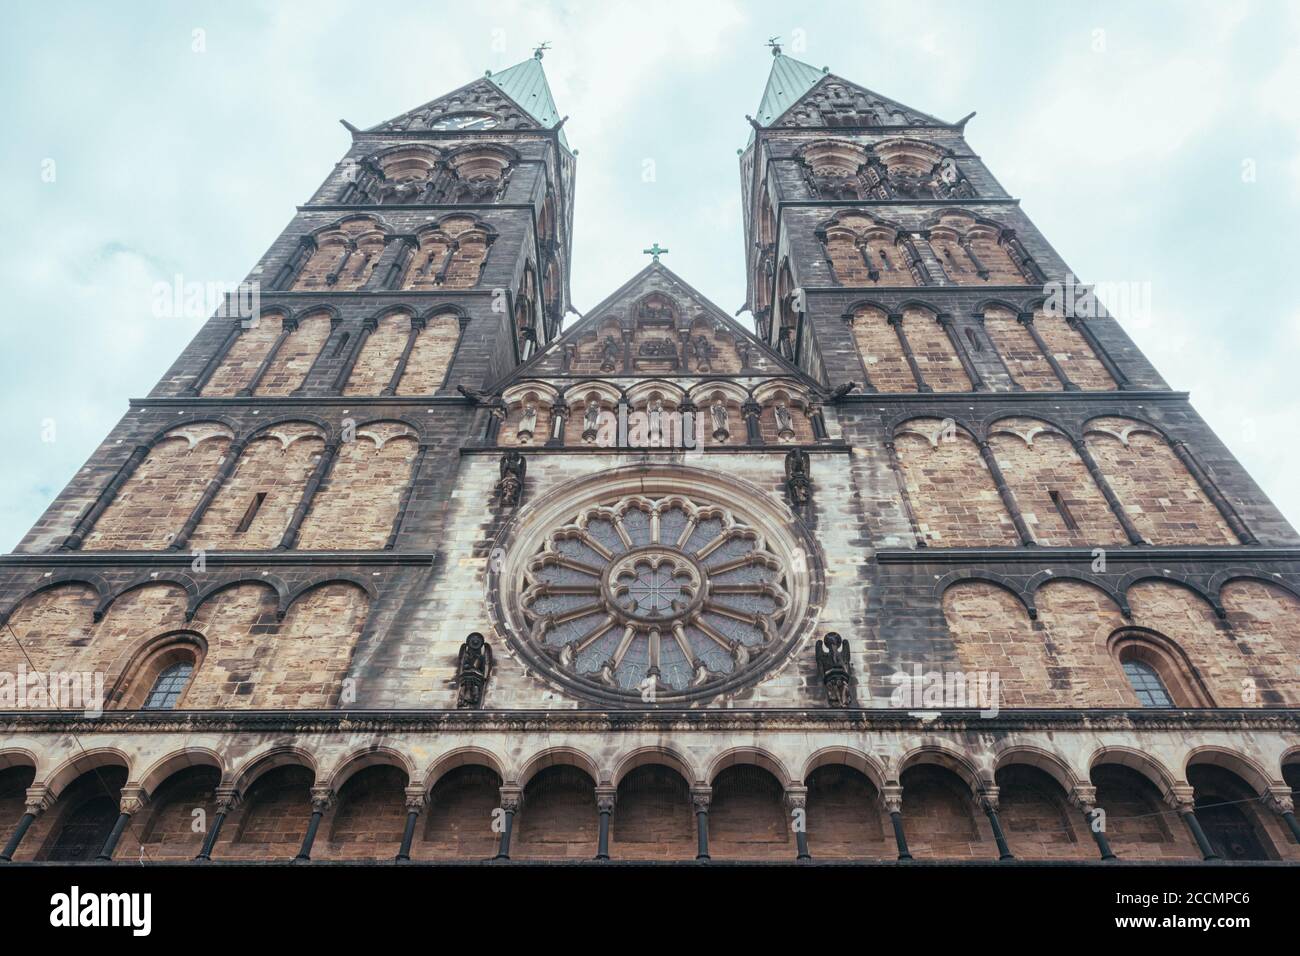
[[1156, 143]]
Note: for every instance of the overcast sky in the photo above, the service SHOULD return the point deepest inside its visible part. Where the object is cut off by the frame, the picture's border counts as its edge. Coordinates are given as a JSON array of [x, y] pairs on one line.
[[1156, 143]]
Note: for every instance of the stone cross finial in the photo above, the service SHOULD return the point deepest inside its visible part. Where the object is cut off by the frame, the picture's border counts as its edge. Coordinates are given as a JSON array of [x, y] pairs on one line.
[[655, 251]]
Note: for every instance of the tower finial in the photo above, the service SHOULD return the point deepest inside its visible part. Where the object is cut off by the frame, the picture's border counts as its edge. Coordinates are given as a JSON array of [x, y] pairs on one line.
[[540, 49], [655, 251], [775, 44]]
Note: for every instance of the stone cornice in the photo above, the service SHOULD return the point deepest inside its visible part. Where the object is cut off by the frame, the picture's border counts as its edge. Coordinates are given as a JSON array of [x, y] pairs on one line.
[[1146, 395], [217, 560], [1115, 554], [749, 720]]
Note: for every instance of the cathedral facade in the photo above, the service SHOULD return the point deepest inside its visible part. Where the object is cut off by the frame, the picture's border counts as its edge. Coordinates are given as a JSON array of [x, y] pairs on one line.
[[398, 564]]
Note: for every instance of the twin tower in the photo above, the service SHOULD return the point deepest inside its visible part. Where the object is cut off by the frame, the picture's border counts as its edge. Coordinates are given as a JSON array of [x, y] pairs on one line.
[[945, 569]]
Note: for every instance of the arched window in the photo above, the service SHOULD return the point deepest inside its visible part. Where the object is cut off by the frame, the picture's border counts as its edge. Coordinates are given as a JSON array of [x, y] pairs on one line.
[[169, 686], [1146, 683]]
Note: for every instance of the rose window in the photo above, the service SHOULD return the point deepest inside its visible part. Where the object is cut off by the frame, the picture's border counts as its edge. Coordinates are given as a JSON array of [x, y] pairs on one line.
[[644, 592]]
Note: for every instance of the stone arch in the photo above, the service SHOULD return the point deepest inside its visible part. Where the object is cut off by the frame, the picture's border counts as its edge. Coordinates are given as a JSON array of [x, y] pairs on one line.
[[464, 757], [1143, 763], [988, 623], [868, 765], [297, 353], [134, 678], [1035, 790], [655, 754], [343, 254], [430, 359], [1056, 494], [82, 763], [965, 507], [163, 490], [864, 250], [1247, 768], [362, 758], [48, 621], [358, 503], [1162, 497], [254, 506], [377, 361], [757, 756], [1264, 614], [239, 365], [944, 754], [1024, 361], [271, 757], [974, 250], [450, 254], [177, 761], [1053, 764], [559, 756]]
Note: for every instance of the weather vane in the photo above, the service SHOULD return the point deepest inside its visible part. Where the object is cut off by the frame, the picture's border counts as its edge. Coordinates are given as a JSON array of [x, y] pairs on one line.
[[654, 251], [541, 48], [775, 44]]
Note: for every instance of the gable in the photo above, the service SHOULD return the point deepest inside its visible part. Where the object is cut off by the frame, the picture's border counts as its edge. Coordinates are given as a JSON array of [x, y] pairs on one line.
[[656, 325], [834, 101]]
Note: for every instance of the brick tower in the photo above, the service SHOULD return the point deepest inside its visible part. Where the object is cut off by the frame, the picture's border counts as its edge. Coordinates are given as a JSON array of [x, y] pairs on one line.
[[933, 566]]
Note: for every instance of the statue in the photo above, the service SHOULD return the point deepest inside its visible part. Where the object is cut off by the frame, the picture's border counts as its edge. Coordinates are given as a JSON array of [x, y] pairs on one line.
[[700, 349], [718, 412], [527, 422], [473, 668], [610, 354], [511, 484], [836, 668], [784, 423], [591, 421], [798, 476]]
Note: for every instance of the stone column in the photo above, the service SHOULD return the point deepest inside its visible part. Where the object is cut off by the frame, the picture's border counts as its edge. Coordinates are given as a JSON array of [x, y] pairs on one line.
[[321, 800], [1280, 800], [87, 521], [214, 362], [286, 329], [421, 453], [963, 356], [228, 799], [1202, 478], [1183, 800], [132, 801], [700, 800], [893, 797], [510, 798], [231, 460], [1085, 798], [896, 322], [559, 419], [416, 798], [605, 797], [290, 537], [1102, 356], [368, 328], [1107, 492], [1008, 499], [37, 802], [1027, 320], [796, 801], [988, 801]]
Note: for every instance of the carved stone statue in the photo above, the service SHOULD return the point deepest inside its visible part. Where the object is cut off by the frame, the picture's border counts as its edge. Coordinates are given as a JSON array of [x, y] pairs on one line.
[[590, 421], [611, 353], [718, 412], [473, 668], [511, 484], [701, 352], [784, 423], [836, 667], [798, 476], [527, 422]]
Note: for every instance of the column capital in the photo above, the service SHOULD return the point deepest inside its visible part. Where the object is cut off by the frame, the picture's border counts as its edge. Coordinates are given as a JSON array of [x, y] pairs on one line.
[[988, 799], [1084, 797], [1181, 797], [511, 797], [37, 800], [892, 794], [701, 797], [228, 799], [796, 798], [1280, 800], [133, 800], [605, 799], [322, 798], [416, 798]]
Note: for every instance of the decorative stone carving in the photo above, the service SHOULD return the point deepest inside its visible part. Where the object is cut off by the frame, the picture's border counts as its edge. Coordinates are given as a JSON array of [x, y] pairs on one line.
[[784, 422], [510, 486], [473, 668], [836, 668], [718, 412], [611, 354], [527, 422], [590, 421], [798, 476]]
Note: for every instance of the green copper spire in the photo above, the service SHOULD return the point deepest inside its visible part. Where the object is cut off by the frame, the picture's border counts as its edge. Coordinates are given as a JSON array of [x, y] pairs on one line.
[[789, 80], [525, 83]]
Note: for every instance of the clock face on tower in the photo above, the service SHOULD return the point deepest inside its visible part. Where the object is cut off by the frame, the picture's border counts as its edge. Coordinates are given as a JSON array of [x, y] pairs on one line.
[[465, 121]]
